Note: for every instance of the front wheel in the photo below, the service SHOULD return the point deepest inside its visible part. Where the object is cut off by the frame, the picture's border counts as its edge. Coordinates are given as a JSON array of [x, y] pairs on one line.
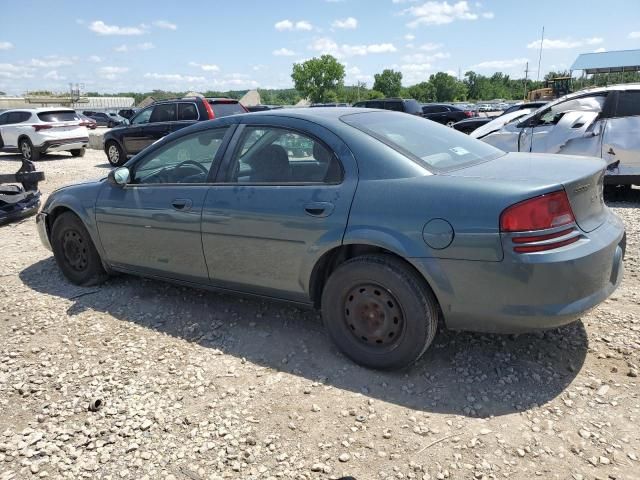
[[379, 312], [75, 252]]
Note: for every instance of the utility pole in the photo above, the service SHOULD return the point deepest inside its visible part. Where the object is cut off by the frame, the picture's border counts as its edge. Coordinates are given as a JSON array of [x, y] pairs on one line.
[[526, 78], [540, 56]]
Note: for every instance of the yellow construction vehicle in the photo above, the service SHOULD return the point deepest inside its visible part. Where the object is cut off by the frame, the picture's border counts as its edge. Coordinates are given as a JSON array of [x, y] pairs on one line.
[[553, 88]]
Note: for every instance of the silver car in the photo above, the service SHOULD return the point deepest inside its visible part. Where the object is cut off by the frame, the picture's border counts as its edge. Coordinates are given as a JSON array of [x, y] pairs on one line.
[[601, 122]]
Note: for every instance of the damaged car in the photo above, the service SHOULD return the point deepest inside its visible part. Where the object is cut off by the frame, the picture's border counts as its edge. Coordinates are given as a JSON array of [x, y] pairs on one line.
[[20, 201], [600, 122]]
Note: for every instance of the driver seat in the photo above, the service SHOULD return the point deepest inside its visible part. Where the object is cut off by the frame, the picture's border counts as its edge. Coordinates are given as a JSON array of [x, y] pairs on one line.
[[271, 165]]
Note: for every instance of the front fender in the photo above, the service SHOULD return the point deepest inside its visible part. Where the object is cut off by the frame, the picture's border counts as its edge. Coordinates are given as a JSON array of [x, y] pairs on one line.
[[81, 200]]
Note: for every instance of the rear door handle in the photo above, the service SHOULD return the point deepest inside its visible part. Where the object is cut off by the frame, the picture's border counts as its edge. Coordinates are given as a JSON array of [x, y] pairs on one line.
[[182, 204], [319, 209]]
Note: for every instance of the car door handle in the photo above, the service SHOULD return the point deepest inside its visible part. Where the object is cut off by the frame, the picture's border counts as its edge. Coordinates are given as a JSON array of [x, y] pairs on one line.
[[319, 209], [182, 204]]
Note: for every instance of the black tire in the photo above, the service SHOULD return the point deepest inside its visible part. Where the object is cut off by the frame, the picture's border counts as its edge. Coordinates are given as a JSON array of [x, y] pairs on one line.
[[29, 152], [75, 252], [78, 152], [379, 312], [115, 154]]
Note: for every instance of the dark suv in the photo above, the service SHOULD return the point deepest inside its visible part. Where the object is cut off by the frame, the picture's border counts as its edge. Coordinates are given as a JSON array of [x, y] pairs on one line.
[[406, 105], [444, 114], [160, 119]]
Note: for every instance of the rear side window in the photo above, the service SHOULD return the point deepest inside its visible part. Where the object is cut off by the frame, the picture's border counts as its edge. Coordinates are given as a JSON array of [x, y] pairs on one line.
[[628, 104], [395, 106], [58, 116], [224, 109], [430, 145], [187, 111], [374, 105], [165, 112], [412, 106]]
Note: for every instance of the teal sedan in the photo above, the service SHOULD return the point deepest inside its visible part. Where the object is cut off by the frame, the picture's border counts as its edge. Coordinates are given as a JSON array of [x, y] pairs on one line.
[[386, 222]]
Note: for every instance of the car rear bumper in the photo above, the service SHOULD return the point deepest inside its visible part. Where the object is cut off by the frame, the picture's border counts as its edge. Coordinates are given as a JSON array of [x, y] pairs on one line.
[[63, 144], [529, 291], [41, 225]]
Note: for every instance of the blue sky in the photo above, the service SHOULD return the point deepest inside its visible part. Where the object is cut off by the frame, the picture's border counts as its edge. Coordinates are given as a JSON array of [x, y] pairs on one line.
[[117, 45]]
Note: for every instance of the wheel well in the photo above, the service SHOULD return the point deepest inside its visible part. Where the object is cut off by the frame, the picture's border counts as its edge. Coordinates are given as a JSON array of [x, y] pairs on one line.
[[52, 215], [337, 256]]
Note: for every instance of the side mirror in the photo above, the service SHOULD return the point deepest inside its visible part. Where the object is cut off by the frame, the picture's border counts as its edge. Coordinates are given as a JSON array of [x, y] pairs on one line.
[[595, 131], [119, 176], [125, 121]]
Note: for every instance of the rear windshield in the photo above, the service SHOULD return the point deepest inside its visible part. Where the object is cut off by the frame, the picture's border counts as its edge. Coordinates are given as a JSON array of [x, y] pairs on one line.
[[58, 116], [434, 146], [224, 109]]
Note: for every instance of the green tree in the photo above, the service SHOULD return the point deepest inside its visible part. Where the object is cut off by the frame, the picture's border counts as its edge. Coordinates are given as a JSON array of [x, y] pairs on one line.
[[319, 79], [447, 88], [423, 92], [388, 82]]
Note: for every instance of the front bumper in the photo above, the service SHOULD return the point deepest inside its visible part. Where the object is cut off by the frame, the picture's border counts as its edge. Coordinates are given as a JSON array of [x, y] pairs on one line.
[[41, 225], [531, 291]]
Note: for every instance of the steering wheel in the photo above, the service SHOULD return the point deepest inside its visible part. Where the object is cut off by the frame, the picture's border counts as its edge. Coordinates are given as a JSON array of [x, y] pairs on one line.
[[194, 163]]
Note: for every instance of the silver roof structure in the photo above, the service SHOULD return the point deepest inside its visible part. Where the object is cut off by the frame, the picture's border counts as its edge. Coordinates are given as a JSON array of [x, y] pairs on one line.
[[608, 62]]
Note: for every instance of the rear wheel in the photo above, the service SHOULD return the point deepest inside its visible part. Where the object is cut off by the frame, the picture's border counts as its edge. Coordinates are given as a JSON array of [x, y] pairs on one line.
[[379, 312], [78, 152], [74, 251], [450, 123], [115, 155], [29, 152]]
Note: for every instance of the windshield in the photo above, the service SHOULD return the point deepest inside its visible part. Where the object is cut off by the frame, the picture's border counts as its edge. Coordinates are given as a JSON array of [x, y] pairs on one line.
[[434, 146]]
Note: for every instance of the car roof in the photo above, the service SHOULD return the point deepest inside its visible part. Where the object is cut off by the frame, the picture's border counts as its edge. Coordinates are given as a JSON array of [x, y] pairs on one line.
[[39, 110]]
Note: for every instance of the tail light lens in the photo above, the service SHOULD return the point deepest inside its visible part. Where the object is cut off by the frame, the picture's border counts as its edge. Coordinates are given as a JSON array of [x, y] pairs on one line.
[[468, 113], [539, 213], [37, 128], [209, 109]]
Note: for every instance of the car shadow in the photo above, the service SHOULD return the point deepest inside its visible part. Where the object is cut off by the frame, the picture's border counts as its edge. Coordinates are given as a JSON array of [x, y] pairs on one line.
[[47, 157], [462, 373]]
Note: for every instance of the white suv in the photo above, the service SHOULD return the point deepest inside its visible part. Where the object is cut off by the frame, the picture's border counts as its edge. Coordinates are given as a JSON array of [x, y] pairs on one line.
[[36, 131]]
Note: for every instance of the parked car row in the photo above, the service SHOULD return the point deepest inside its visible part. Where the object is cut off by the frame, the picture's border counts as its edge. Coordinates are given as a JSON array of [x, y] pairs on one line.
[[438, 112], [470, 124], [160, 119]]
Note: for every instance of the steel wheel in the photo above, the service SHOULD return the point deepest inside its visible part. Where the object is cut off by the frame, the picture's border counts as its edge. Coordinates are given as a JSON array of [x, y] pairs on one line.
[[75, 250], [374, 316], [450, 123]]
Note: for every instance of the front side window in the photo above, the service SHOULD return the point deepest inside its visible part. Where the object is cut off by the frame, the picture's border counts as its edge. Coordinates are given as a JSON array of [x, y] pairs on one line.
[[186, 160], [592, 103], [275, 155], [166, 112], [430, 145], [142, 117]]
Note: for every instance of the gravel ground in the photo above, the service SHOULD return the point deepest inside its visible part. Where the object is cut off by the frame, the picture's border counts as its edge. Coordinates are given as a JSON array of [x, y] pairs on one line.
[[197, 385]]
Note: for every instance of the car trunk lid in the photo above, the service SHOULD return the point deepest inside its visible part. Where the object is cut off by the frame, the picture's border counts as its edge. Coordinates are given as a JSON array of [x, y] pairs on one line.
[[581, 177]]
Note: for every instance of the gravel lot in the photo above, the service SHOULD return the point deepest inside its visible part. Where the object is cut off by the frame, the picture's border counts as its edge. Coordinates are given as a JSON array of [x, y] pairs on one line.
[[196, 385]]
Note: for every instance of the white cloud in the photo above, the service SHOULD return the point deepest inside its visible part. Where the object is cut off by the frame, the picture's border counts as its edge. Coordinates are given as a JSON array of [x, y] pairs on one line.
[[552, 44], [634, 35], [145, 46], [175, 77], [441, 13], [111, 73], [500, 64], [600, 50], [8, 70], [327, 45], [102, 28], [348, 23], [409, 37], [283, 52], [6, 45], [207, 67], [164, 24], [52, 61], [53, 75], [301, 25], [121, 48], [423, 58], [429, 47], [140, 46], [94, 59]]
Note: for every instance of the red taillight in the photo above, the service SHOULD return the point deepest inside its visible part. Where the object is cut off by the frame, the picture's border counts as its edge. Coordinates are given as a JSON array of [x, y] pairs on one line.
[[37, 128], [468, 113], [207, 107], [539, 213], [546, 246]]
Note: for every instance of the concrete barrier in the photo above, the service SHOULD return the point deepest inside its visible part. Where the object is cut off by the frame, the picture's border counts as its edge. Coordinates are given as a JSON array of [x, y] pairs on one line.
[[96, 138]]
